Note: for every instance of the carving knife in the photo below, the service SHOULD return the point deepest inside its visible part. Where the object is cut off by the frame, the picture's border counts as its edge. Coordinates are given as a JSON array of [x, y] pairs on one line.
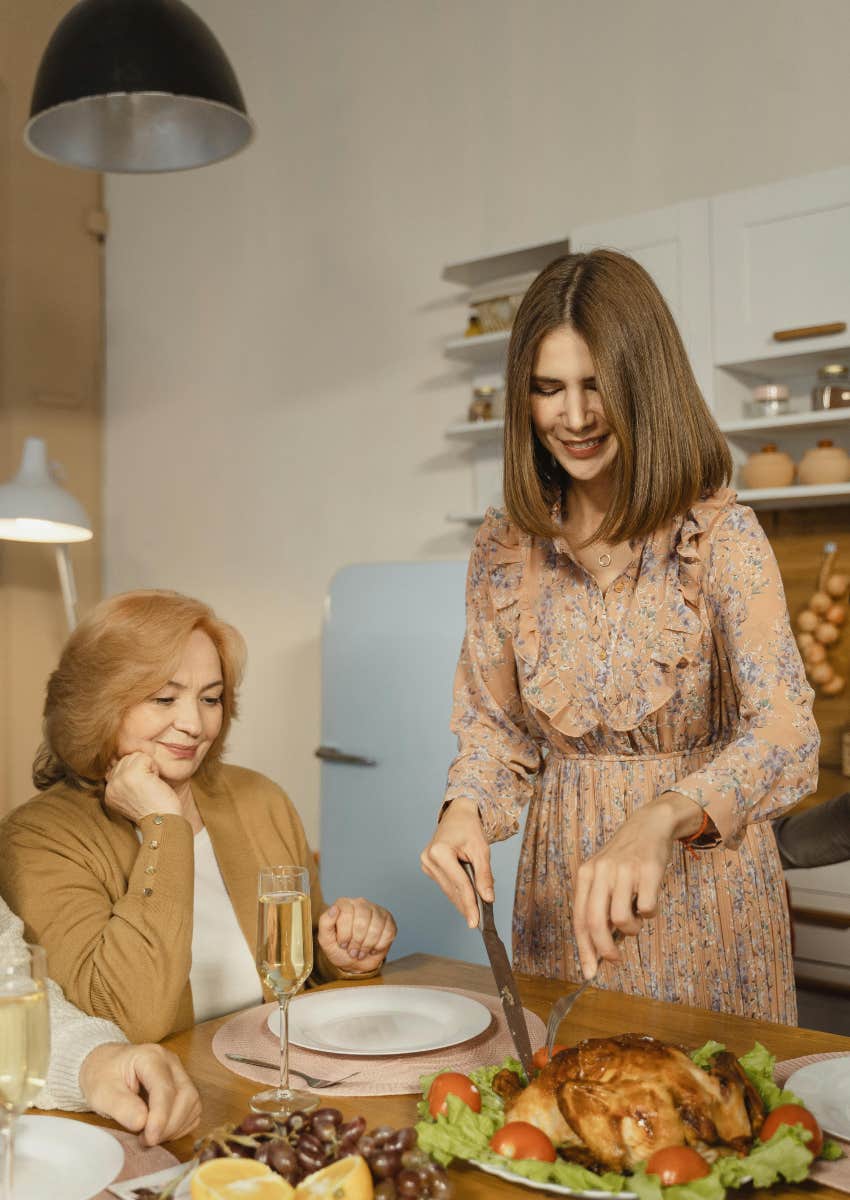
[[504, 976]]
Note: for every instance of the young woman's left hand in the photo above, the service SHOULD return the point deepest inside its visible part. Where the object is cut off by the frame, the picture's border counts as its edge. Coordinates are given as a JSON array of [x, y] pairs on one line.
[[618, 888], [356, 934]]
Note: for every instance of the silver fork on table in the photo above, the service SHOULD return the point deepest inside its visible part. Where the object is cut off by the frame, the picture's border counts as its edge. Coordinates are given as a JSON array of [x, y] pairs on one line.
[[310, 1080], [561, 1007]]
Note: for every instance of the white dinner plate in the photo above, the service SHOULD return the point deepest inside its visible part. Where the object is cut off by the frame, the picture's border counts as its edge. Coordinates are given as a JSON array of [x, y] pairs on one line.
[[557, 1189], [63, 1160], [368, 1021], [824, 1087]]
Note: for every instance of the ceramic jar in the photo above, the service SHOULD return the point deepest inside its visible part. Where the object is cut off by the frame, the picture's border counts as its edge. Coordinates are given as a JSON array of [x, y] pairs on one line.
[[825, 463], [770, 467]]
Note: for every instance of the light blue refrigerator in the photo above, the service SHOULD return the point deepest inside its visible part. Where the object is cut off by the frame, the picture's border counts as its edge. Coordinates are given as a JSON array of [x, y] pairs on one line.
[[390, 642]]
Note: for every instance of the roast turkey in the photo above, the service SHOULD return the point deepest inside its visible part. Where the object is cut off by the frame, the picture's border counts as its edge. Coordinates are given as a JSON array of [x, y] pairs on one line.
[[611, 1102]]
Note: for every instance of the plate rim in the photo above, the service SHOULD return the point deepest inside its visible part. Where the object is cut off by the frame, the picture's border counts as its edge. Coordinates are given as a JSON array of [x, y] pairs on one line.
[[824, 1062], [554, 1189], [95, 1131], [462, 997]]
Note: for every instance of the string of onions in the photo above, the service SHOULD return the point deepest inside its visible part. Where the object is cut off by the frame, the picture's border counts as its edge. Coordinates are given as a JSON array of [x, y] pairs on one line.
[[820, 625]]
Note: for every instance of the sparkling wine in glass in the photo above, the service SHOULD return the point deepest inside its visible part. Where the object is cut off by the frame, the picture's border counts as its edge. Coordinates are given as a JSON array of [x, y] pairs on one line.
[[24, 1043], [284, 960]]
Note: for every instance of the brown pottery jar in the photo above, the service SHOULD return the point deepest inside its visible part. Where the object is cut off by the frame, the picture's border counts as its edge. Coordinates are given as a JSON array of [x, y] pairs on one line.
[[825, 463], [769, 468]]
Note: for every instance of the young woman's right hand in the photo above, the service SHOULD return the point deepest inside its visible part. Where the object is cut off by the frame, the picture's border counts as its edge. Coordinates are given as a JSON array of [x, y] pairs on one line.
[[459, 837], [135, 790]]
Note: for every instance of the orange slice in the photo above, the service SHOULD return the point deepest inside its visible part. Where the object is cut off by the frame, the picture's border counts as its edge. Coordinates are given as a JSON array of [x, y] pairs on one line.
[[238, 1179], [347, 1179]]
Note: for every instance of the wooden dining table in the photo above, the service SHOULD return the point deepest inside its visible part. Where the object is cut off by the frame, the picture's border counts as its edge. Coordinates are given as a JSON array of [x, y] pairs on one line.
[[225, 1095]]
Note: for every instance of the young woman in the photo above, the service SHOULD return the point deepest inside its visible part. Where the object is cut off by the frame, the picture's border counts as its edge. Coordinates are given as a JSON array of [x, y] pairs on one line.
[[628, 669]]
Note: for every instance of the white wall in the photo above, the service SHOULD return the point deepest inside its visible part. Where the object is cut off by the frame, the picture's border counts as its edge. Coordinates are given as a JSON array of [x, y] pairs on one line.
[[276, 394]]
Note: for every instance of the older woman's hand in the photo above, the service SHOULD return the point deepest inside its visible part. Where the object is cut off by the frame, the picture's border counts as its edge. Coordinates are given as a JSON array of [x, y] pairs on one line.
[[135, 790], [356, 934]]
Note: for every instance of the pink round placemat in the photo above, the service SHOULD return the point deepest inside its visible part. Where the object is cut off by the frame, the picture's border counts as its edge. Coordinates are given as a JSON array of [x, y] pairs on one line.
[[393, 1075], [830, 1174], [138, 1159]]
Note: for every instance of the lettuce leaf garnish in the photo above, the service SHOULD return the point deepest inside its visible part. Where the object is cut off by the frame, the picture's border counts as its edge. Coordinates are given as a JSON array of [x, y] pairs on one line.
[[706, 1053]]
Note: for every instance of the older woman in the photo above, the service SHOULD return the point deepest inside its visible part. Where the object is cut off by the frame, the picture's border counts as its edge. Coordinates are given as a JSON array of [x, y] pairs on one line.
[[136, 868]]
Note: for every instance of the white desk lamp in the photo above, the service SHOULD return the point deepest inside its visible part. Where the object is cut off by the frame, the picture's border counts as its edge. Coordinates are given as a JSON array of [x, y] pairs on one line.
[[34, 508]]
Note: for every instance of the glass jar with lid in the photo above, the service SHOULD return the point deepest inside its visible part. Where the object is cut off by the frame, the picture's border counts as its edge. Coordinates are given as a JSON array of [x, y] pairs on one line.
[[487, 403], [832, 389], [769, 400]]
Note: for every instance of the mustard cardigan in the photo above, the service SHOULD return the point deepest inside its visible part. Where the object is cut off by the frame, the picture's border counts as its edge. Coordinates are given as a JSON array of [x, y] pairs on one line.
[[115, 917]]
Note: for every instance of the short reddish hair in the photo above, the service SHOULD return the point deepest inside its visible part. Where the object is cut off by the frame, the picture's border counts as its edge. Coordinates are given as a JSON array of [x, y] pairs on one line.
[[124, 651]]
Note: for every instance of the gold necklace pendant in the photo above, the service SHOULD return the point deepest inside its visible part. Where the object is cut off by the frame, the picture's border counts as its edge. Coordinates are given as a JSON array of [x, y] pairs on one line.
[[604, 560]]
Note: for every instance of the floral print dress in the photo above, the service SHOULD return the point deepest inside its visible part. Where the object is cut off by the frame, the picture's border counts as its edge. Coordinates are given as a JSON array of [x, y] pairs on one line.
[[583, 706]]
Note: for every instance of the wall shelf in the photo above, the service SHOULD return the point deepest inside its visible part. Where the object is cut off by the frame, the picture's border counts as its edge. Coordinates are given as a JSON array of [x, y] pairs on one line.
[[465, 518], [510, 262], [790, 367], [758, 428], [754, 430], [797, 496], [481, 349], [481, 430]]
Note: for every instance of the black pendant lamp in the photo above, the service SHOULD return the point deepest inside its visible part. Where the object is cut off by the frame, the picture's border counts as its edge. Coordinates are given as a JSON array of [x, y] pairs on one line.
[[133, 86]]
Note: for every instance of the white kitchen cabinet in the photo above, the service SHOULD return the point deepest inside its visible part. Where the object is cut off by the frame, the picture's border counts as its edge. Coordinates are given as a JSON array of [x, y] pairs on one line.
[[673, 245], [820, 903], [781, 265], [736, 270]]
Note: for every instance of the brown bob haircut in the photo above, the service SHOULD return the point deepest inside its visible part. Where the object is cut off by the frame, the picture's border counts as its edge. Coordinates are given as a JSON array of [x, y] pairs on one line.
[[670, 450], [123, 652]]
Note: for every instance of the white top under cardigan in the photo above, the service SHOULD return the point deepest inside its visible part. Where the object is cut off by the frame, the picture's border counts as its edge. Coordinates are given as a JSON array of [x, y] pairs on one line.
[[223, 976], [73, 1034]]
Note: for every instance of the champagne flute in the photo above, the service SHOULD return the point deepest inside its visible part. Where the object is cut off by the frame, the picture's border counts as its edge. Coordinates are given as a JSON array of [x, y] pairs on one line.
[[284, 960], [24, 1042]]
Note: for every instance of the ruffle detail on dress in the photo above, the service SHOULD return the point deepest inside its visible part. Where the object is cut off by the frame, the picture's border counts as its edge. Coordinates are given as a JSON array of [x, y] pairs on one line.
[[572, 711], [508, 552], [662, 633], [646, 679], [698, 523], [507, 547], [648, 689]]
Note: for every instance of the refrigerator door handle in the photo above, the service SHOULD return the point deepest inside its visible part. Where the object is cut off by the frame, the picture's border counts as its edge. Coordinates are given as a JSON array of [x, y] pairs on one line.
[[331, 754]]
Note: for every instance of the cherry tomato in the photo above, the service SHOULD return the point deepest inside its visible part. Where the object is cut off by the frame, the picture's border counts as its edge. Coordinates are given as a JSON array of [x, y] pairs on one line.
[[452, 1082], [519, 1139], [793, 1114], [677, 1164], [541, 1058]]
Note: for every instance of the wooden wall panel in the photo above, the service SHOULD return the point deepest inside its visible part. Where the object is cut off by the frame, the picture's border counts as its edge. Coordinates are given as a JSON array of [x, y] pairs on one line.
[[51, 329], [798, 538]]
